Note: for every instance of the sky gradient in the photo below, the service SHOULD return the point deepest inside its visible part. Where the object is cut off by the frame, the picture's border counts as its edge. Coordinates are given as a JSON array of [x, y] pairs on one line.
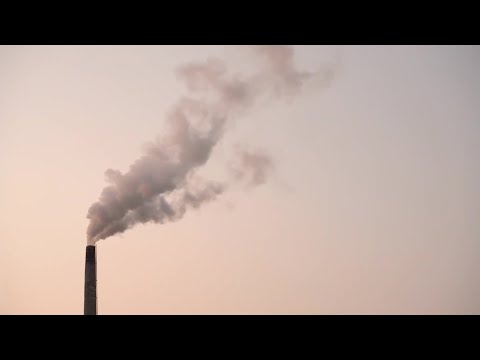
[[373, 206]]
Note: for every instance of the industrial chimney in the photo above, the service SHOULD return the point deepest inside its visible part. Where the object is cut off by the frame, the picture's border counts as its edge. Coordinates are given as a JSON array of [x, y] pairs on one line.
[[90, 307]]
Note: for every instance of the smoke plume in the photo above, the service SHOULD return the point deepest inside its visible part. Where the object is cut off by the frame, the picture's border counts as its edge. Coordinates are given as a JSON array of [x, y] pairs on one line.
[[162, 184], [251, 167]]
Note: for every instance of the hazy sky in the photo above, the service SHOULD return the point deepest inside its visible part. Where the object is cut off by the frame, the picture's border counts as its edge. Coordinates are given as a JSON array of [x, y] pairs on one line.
[[373, 208]]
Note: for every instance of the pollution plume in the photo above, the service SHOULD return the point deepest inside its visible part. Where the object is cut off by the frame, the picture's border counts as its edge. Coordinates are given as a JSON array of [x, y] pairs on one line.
[[251, 167], [162, 184]]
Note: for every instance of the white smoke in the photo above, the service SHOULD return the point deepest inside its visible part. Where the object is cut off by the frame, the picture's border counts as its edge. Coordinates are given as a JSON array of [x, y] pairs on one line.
[[161, 185]]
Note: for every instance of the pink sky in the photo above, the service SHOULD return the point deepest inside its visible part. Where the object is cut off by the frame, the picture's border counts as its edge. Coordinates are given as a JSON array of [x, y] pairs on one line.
[[373, 207]]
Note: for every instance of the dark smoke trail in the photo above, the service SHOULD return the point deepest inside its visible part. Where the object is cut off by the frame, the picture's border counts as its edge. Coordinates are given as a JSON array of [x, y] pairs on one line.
[[160, 186]]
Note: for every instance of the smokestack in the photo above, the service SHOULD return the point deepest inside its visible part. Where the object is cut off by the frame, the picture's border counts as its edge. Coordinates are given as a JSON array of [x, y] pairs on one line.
[[90, 307]]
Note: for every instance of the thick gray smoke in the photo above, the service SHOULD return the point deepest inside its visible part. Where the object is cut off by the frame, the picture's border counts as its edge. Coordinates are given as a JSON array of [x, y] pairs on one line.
[[161, 185]]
